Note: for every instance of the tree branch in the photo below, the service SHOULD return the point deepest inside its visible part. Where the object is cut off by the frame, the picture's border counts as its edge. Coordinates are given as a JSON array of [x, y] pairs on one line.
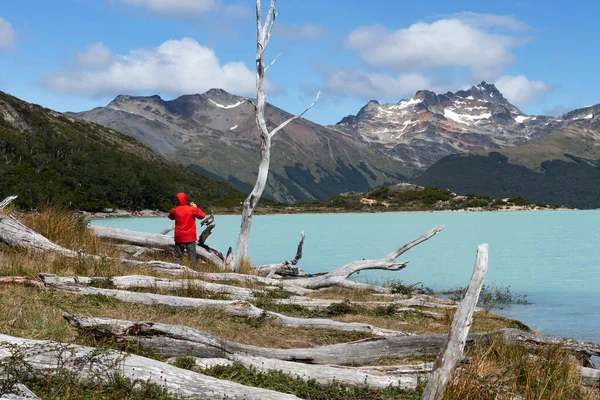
[[272, 62], [295, 117]]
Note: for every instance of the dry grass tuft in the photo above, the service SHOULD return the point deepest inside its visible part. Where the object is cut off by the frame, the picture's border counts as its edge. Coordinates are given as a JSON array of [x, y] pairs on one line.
[[497, 370]]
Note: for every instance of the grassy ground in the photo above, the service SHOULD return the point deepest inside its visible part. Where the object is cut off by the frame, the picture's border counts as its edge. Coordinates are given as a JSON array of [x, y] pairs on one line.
[[494, 369]]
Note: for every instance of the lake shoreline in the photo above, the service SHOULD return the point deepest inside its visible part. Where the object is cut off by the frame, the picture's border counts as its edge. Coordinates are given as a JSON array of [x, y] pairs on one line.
[[119, 213]]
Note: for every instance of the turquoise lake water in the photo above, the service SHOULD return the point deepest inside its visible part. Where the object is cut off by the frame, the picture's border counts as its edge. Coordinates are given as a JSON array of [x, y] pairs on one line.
[[551, 256]]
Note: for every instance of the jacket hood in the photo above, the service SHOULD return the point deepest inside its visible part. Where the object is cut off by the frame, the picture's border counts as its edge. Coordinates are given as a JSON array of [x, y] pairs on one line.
[[181, 199]]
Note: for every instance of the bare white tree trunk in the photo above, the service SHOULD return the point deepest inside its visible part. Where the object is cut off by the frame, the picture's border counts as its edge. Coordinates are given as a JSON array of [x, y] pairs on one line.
[[263, 35], [451, 354]]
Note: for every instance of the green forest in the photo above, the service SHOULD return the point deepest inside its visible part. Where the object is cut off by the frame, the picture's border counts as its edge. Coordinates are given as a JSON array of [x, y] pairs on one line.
[[47, 158]]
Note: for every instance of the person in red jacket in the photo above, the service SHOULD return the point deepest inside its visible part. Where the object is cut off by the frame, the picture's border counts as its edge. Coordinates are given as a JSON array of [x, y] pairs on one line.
[[185, 216]]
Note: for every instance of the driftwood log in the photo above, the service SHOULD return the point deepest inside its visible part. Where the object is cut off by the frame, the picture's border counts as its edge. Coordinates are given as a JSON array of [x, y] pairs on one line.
[[4, 203], [418, 300], [20, 392], [452, 352], [285, 268], [236, 308], [47, 355], [151, 240], [339, 276], [322, 374], [177, 340], [15, 234]]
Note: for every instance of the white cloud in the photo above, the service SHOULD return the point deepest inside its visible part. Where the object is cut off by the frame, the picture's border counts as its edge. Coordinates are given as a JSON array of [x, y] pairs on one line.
[[306, 31], [95, 56], [456, 42], [8, 38], [175, 67], [375, 85], [519, 90], [188, 8], [492, 21]]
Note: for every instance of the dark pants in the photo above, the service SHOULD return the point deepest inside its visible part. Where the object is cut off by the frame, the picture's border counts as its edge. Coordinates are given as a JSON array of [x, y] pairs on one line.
[[191, 250]]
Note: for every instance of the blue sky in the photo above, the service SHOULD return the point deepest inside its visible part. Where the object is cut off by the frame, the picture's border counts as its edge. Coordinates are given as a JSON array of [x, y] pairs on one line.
[[74, 55]]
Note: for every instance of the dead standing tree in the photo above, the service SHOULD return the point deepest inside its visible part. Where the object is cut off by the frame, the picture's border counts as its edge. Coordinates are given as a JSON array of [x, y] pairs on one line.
[[263, 35]]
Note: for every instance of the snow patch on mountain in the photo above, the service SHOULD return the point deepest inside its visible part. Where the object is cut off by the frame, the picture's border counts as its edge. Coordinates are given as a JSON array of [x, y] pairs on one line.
[[464, 118], [224, 106]]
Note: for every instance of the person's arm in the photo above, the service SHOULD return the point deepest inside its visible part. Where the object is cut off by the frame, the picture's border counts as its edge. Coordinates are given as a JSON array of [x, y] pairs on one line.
[[172, 214], [198, 213]]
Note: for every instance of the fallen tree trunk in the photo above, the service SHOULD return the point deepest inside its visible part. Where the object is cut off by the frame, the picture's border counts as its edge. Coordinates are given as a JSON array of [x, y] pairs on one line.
[[339, 276], [515, 336], [20, 392], [322, 374], [415, 301], [230, 307], [452, 352], [150, 282], [4, 203], [150, 240], [177, 341], [47, 355], [15, 234], [285, 268]]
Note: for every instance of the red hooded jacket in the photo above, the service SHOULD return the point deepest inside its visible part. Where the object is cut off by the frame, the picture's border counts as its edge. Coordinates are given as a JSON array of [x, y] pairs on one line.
[[184, 216]]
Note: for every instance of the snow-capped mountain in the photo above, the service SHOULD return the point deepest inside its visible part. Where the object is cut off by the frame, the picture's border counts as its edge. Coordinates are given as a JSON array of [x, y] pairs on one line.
[[421, 130]]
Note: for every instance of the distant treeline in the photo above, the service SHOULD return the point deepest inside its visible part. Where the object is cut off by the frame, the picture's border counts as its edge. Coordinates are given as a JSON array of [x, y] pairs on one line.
[[49, 159], [573, 184]]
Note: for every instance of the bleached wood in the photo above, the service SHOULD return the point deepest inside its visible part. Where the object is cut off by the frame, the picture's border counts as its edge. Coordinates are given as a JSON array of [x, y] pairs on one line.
[[340, 275], [415, 301], [590, 377], [45, 355], [4, 203], [263, 35], [452, 352], [130, 282], [230, 307], [21, 280], [322, 374], [533, 341], [15, 234], [285, 268], [177, 340], [149, 240], [20, 392]]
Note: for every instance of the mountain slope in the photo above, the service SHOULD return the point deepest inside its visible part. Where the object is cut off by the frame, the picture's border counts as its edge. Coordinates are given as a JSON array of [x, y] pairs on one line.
[[215, 134], [419, 131], [561, 168], [50, 158]]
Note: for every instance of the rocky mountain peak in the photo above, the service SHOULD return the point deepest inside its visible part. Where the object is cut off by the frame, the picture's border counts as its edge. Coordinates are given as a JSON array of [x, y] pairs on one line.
[[122, 101]]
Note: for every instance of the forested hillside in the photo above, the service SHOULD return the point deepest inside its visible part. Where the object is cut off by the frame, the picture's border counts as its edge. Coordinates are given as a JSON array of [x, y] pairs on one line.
[[47, 158]]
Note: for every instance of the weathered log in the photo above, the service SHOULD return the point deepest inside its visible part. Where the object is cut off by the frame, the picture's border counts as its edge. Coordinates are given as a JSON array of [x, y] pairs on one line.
[[415, 301], [21, 280], [47, 355], [150, 282], [4, 203], [20, 392], [515, 336], [167, 230], [590, 377], [340, 275], [323, 374], [149, 239], [285, 268], [177, 340], [15, 234], [452, 352], [230, 307]]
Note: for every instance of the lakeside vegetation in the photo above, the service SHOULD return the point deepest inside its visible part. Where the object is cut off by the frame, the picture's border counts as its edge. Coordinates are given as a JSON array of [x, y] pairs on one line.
[[494, 368], [409, 197]]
